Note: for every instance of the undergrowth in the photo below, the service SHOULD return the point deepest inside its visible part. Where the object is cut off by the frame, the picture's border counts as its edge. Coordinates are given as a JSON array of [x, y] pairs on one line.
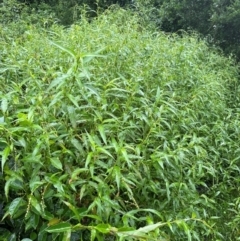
[[110, 131]]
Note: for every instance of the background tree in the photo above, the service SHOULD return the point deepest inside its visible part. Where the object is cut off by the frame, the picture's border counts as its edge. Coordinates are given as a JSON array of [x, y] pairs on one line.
[[216, 18], [68, 11], [225, 19]]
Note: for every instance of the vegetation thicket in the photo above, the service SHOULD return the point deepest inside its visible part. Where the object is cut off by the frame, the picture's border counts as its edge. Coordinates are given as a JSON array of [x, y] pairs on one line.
[[217, 20], [112, 131]]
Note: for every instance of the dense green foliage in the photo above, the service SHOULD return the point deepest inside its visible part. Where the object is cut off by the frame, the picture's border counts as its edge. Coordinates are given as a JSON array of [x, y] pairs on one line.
[[174, 15], [66, 12], [225, 19], [107, 127], [218, 20]]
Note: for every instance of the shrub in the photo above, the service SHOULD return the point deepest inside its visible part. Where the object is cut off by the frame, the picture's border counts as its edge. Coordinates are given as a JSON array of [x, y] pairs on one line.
[[110, 131]]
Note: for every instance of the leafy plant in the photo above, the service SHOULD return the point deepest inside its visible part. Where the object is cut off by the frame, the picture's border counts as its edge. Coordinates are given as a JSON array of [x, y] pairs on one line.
[[110, 131]]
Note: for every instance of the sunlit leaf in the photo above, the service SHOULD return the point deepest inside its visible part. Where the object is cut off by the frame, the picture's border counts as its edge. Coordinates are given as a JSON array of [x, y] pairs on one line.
[[103, 228], [117, 173], [59, 228], [5, 155], [4, 105], [67, 236], [54, 221], [102, 133], [36, 204], [17, 207], [56, 163]]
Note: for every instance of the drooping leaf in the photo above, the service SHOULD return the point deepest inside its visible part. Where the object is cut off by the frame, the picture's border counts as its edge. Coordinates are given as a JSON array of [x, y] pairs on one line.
[[5, 154]]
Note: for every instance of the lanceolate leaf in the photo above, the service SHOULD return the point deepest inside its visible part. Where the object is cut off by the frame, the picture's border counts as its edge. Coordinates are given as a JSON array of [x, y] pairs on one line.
[[60, 228], [56, 163], [17, 207], [103, 228], [4, 105], [67, 236], [117, 173], [74, 209], [58, 82], [102, 133], [5, 154], [106, 148]]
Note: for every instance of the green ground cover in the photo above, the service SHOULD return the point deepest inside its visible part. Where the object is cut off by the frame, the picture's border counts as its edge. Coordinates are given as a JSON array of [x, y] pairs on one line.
[[112, 131]]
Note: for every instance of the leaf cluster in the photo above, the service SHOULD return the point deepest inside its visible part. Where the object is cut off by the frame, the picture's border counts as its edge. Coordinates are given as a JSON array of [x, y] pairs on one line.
[[110, 131]]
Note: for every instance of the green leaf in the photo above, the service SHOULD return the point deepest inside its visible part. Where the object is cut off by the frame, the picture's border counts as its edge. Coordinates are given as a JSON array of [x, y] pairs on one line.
[[140, 233], [54, 221], [125, 155], [125, 229], [4, 105], [59, 228], [89, 158], [5, 155], [47, 215], [72, 116], [76, 143], [33, 221], [59, 81], [17, 207], [98, 218], [77, 171], [102, 150], [73, 99], [64, 49], [42, 235], [102, 133], [13, 237], [149, 228], [4, 234], [74, 210], [82, 191], [2, 120], [117, 174], [36, 204], [35, 185], [103, 228], [93, 234], [158, 94], [88, 57], [67, 236], [56, 162]]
